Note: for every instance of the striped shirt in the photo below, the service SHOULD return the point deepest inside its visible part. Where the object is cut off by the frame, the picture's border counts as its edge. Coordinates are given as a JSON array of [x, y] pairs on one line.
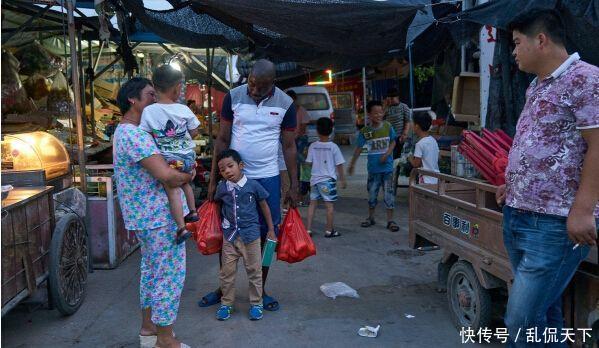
[[398, 115]]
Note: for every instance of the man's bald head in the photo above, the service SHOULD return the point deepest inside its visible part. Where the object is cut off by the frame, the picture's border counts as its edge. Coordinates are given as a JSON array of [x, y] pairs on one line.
[[261, 80], [264, 69]]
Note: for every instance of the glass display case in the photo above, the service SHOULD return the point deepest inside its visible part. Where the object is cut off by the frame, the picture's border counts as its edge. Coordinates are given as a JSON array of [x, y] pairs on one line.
[[36, 150]]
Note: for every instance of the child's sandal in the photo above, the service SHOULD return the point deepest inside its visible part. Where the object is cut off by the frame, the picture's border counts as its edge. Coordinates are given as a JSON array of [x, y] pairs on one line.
[[369, 222], [191, 217], [331, 234], [392, 226], [182, 235]]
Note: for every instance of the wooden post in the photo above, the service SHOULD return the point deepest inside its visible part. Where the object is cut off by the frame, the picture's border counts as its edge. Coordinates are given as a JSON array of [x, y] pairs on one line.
[[209, 85], [77, 93], [90, 78], [81, 78]]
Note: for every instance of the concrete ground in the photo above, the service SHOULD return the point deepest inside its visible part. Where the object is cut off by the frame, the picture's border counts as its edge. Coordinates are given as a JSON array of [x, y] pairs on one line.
[[392, 280]]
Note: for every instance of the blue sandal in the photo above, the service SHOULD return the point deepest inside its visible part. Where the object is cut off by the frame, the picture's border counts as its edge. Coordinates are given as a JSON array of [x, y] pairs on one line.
[[270, 304], [209, 300]]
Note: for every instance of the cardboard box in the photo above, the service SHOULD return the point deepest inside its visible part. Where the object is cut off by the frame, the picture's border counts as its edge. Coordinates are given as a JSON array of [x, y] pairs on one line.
[[465, 102]]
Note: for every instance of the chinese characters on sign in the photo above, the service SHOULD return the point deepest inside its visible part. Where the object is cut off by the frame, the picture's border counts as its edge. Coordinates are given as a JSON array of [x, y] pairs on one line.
[[456, 223], [531, 335]]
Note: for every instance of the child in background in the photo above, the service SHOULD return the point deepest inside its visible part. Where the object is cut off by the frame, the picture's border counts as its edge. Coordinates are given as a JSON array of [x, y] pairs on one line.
[[327, 161], [173, 125], [240, 198], [426, 153], [379, 137], [304, 183]]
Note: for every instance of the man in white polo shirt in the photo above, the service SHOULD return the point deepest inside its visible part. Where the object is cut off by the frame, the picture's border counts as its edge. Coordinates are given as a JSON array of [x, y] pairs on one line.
[[255, 119]]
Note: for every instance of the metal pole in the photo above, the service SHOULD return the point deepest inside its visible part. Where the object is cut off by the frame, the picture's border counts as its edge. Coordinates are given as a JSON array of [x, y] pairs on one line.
[[99, 55], [209, 84], [90, 78], [411, 76], [364, 98], [77, 93], [81, 78]]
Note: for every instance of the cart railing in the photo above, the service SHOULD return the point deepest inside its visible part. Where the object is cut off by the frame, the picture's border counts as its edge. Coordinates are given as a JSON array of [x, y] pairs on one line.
[[440, 190]]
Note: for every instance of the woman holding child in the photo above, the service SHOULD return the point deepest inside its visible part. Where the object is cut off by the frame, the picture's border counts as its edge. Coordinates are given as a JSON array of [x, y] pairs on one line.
[[142, 175]]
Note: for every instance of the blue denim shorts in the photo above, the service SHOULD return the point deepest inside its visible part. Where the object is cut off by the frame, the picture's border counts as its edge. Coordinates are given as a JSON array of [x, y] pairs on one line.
[[183, 163], [375, 182], [326, 191]]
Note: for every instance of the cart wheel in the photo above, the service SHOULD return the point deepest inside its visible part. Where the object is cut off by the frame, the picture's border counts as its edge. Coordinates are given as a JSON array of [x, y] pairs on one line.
[[469, 302], [69, 264]]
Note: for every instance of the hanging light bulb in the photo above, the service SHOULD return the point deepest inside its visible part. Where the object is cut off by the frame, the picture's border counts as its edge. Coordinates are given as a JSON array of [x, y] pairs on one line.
[[175, 65]]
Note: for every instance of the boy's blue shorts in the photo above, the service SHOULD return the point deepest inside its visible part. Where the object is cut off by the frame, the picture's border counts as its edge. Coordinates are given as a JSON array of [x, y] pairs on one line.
[[183, 163], [325, 190]]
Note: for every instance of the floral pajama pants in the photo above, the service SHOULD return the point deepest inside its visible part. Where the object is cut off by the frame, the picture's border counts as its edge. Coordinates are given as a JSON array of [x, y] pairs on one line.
[[162, 273]]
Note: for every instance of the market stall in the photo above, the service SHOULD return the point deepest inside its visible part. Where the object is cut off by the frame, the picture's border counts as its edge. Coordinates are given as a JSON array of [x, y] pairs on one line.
[[44, 239], [43, 232]]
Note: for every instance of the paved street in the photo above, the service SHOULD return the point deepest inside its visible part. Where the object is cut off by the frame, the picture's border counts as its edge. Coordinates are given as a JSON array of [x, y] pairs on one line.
[[391, 279]]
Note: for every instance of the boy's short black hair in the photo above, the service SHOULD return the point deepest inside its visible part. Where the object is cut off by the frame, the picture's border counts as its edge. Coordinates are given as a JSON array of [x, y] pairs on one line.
[[130, 89], [165, 77], [423, 120], [372, 104], [324, 126], [534, 22], [229, 153]]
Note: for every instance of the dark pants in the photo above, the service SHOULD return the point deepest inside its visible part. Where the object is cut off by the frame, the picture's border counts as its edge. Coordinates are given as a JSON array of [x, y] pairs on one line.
[[397, 149], [543, 263], [273, 186]]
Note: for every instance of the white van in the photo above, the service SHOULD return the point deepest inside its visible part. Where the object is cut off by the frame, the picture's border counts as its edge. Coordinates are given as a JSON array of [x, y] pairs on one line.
[[317, 102]]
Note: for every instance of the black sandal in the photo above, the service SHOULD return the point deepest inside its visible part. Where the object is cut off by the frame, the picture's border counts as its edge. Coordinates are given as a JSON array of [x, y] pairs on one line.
[[392, 226], [191, 217], [332, 234], [182, 235], [369, 222]]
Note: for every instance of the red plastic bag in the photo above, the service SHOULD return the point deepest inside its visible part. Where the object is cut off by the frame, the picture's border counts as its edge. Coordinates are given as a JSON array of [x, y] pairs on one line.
[[207, 232], [295, 244]]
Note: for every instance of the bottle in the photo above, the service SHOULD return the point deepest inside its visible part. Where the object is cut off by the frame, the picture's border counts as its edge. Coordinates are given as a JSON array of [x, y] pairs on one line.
[[267, 254]]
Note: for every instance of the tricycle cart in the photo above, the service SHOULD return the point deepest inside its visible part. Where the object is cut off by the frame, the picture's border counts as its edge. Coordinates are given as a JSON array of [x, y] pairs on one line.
[[37, 247], [461, 216]]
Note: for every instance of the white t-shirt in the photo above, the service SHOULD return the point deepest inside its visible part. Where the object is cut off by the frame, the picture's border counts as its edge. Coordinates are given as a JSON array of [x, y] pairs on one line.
[[325, 157], [427, 149], [169, 124]]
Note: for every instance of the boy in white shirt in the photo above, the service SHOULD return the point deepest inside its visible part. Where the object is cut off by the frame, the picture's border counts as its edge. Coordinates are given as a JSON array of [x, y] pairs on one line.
[[173, 125], [327, 162], [426, 153]]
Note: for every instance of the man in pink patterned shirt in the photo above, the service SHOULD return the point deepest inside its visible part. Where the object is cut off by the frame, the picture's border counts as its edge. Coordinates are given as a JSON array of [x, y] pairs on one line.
[[552, 185]]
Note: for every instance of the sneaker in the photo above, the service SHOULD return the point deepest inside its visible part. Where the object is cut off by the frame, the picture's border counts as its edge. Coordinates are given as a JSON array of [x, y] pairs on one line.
[[256, 312], [224, 312]]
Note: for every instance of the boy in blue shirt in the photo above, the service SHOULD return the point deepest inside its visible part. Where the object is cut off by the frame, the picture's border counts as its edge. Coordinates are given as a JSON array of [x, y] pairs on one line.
[[240, 198], [379, 138]]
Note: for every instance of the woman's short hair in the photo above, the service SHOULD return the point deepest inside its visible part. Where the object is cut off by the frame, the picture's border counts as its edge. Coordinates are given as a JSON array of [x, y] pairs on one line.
[[131, 89], [165, 77]]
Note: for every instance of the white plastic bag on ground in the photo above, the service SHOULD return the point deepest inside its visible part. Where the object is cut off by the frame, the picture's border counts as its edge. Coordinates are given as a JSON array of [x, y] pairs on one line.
[[333, 290], [369, 331]]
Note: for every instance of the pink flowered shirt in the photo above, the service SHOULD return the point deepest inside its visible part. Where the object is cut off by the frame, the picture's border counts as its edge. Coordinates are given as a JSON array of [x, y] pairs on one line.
[[142, 198], [545, 162]]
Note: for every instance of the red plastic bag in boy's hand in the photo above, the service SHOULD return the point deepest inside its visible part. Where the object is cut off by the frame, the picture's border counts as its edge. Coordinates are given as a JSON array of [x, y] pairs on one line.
[[295, 244], [207, 232]]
